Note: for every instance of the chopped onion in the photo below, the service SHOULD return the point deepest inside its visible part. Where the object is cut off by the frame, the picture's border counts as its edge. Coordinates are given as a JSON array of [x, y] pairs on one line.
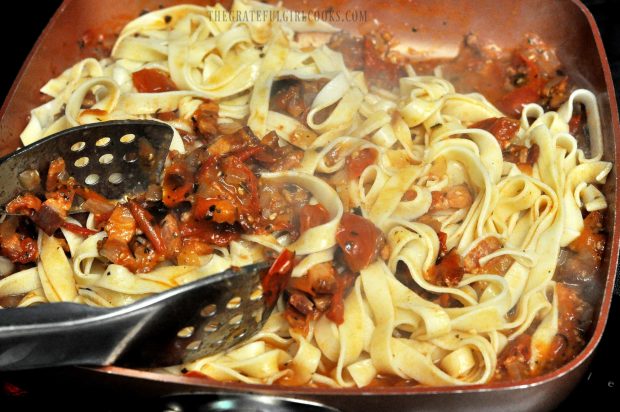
[[30, 180]]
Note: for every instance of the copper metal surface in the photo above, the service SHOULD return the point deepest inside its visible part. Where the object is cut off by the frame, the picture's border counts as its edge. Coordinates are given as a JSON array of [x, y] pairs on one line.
[[440, 27]]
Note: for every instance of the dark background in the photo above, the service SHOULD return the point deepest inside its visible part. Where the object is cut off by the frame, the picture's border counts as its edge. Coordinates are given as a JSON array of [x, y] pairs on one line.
[[599, 387]]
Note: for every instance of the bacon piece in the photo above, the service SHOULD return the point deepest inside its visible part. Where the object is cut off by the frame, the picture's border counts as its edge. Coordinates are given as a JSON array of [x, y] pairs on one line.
[[234, 143], [275, 157], [171, 235], [49, 218], [301, 302], [205, 119], [454, 197]]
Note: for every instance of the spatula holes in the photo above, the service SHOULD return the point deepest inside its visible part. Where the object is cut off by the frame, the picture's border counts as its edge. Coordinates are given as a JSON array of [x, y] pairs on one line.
[[211, 327], [256, 294], [106, 159], [103, 142], [235, 320], [186, 332], [130, 157], [92, 179], [81, 162], [208, 311], [234, 303], [78, 146], [115, 178], [257, 314], [128, 138], [193, 345], [238, 334]]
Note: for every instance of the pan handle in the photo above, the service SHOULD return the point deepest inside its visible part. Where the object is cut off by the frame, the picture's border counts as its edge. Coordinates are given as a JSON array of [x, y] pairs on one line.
[[227, 401]]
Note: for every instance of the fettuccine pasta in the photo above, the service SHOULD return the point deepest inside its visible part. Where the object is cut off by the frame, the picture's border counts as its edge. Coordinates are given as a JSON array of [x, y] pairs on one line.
[[465, 238]]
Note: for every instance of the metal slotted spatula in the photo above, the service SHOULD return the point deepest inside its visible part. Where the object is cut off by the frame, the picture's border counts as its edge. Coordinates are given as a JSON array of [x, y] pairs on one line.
[[114, 158], [201, 318]]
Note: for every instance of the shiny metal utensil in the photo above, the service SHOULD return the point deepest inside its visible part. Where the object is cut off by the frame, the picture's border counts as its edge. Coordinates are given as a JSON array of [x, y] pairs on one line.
[[180, 325], [237, 402], [115, 158]]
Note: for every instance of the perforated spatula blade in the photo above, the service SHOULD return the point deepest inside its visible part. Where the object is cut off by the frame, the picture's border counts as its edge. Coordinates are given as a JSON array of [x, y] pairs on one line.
[[199, 319], [115, 158], [118, 159]]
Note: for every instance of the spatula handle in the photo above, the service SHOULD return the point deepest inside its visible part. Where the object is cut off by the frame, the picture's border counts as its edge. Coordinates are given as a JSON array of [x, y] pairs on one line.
[[57, 334]]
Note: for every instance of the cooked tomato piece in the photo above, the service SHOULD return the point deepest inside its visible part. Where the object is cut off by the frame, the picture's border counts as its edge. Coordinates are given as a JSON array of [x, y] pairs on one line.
[[448, 271], [24, 204], [229, 179], [77, 229], [148, 226], [191, 250], [121, 225], [512, 103], [574, 123], [167, 116], [488, 245], [56, 174], [359, 160], [96, 204], [584, 253], [512, 362], [503, 128], [177, 183], [360, 241], [335, 312], [276, 278], [210, 232], [218, 210], [377, 68], [17, 247], [152, 81], [311, 216], [443, 249]]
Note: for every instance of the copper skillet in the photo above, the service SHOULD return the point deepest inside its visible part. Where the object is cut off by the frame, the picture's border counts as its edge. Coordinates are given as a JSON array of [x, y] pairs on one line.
[[439, 28]]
